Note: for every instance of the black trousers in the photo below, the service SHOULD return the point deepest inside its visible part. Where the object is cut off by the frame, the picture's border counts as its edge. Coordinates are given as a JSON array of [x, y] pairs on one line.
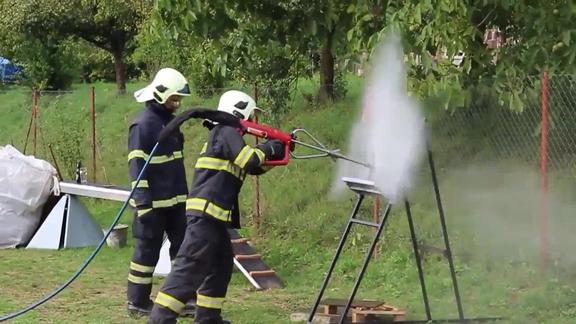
[[148, 232], [203, 266]]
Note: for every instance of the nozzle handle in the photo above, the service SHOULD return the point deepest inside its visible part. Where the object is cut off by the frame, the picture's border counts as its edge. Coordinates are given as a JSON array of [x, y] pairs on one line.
[[286, 158]]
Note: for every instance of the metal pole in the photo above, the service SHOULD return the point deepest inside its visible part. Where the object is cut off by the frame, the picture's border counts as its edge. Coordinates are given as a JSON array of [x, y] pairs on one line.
[[35, 117], [257, 212], [31, 121], [376, 218], [418, 260], [55, 162], [544, 176], [93, 114], [445, 234], [366, 261], [336, 256]]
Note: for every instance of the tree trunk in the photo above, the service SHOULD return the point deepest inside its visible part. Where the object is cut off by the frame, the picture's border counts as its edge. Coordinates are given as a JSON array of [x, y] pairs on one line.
[[326, 91], [120, 69]]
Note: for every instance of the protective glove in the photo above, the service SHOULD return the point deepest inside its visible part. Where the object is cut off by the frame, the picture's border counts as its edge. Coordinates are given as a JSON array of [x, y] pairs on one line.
[[273, 149]]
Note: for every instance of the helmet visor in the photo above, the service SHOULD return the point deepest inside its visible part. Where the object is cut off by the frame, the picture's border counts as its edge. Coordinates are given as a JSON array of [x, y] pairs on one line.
[[184, 91]]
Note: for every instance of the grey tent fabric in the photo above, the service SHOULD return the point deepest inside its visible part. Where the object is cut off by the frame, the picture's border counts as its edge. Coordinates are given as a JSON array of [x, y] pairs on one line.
[[25, 183]]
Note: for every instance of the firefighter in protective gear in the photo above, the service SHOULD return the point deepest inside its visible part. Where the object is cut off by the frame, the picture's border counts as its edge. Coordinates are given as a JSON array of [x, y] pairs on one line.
[[160, 196], [205, 260]]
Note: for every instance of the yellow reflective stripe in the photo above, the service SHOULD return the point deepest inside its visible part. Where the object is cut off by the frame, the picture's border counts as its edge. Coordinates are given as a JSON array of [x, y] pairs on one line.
[[168, 202], [260, 154], [137, 154], [142, 212], [211, 209], [169, 302], [155, 159], [209, 302], [166, 158], [139, 280], [141, 268], [141, 184], [244, 155], [204, 148], [212, 163], [162, 203], [220, 165]]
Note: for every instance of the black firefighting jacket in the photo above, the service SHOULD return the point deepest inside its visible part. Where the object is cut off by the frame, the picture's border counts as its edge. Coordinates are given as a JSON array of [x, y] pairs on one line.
[[164, 182], [220, 172]]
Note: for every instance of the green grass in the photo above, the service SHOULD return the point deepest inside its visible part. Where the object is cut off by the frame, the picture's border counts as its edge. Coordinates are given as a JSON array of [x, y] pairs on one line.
[[300, 230]]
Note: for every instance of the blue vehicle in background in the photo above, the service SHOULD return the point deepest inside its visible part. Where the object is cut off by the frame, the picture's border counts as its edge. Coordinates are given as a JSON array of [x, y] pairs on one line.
[[8, 71]]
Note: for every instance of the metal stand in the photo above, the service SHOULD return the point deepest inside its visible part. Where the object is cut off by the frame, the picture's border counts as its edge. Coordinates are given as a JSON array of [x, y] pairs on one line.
[[68, 225], [365, 188]]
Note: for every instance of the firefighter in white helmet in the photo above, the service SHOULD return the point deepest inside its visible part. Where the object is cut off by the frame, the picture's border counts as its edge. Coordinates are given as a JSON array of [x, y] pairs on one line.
[[205, 260], [160, 196]]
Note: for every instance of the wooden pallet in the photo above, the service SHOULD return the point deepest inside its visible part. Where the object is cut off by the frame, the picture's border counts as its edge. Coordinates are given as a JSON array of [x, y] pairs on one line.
[[250, 263], [364, 311]]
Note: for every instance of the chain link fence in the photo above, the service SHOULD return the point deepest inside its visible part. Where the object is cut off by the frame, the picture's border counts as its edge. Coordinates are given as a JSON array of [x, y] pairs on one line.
[[510, 174], [484, 131], [543, 130]]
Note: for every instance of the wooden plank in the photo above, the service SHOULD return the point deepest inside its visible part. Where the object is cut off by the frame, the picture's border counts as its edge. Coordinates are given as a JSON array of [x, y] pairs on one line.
[[251, 262], [358, 318], [379, 312], [248, 257], [253, 265], [243, 249], [262, 273], [239, 241], [330, 309]]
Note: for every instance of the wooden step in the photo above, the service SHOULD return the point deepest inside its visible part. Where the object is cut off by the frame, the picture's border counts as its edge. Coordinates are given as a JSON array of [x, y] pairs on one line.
[[362, 315], [262, 273], [239, 241], [251, 263], [243, 257]]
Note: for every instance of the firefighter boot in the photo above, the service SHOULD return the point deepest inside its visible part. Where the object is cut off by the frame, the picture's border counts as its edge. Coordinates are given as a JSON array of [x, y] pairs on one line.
[[139, 310]]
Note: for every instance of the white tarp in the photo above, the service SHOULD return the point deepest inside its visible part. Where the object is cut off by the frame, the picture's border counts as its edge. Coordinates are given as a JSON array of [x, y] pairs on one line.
[[25, 183]]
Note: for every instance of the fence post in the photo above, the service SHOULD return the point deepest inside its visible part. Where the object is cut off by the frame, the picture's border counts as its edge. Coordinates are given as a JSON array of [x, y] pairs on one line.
[[544, 255], [257, 213], [31, 121], [93, 118], [35, 113]]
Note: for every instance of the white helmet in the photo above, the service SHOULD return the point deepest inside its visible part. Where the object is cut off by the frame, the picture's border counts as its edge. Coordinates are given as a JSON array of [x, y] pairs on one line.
[[238, 104], [166, 83]]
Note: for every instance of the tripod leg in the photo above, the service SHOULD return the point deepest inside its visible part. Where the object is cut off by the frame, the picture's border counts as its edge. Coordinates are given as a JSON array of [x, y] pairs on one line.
[[366, 261], [445, 234], [336, 256], [418, 260]]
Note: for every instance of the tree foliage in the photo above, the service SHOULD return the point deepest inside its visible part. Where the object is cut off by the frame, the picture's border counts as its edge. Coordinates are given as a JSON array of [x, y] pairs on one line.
[[274, 42], [263, 34], [229, 41], [537, 36], [108, 24]]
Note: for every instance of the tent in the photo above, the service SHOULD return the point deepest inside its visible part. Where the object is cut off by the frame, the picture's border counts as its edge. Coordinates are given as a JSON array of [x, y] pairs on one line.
[[8, 70]]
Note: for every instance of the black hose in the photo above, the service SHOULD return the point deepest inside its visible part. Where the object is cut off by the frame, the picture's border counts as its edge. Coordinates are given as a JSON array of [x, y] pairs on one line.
[[204, 113], [90, 258]]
